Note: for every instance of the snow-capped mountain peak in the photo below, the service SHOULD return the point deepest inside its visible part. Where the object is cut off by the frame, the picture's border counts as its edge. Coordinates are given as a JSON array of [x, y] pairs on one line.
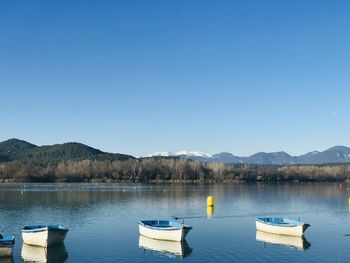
[[194, 153], [161, 154], [180, 153]]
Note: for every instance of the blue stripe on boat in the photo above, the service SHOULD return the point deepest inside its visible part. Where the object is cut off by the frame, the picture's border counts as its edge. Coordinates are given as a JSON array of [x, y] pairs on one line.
[[7, 240], [279, 221], [163, 224]]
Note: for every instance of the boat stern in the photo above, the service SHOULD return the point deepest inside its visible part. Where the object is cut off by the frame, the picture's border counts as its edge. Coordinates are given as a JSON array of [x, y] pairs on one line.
[[186, 229], [305, 226]]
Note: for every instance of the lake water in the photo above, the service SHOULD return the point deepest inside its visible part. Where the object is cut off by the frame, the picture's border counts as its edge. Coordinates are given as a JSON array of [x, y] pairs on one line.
[[103, 221]]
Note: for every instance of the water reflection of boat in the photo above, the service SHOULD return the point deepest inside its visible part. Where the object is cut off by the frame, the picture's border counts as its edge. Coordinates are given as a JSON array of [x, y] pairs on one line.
[[168, 248], [291, 241], [6, 259], [6, 245], [51, 254]]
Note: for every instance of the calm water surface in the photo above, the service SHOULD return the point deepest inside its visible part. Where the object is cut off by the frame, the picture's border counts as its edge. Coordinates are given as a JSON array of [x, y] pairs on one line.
[[103, 221]]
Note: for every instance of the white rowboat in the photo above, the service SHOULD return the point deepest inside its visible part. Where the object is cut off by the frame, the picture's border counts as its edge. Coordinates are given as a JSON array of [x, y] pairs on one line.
[[281, 226], [44, 236], [164, 229]]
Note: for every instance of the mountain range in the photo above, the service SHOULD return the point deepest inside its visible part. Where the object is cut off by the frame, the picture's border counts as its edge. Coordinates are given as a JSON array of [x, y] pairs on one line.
[[14, 149], [336, 154]]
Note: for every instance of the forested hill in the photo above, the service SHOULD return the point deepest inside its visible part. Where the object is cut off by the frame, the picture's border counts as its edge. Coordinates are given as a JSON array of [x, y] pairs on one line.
[[24, 152]]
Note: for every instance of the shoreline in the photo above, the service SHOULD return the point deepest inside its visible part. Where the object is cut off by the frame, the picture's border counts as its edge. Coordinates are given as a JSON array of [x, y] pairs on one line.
[[174, 182]]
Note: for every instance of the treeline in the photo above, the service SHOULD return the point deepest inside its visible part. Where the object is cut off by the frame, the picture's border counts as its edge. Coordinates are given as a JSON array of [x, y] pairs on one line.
[[156, 170]]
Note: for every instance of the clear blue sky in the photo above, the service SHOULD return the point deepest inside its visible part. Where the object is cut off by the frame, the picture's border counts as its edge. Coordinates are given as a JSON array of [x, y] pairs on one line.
[[143, 76]]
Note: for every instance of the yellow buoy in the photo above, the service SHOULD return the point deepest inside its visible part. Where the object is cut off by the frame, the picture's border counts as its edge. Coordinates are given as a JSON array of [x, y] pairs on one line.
[[210, 211], [210, 200]]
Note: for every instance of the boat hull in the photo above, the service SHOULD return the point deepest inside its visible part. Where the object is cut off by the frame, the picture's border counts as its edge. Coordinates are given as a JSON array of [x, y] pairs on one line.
[[297, 230], [44, 238], [162, 234]]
